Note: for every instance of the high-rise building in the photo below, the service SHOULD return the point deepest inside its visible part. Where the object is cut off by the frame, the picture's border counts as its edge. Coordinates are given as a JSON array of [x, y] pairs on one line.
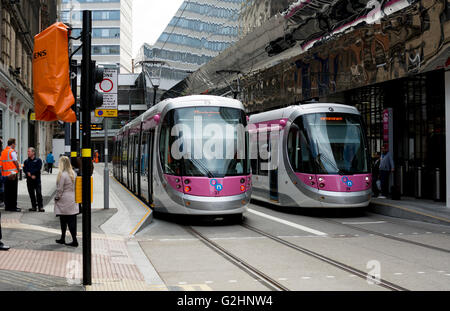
[[111, 33], [198, 32]]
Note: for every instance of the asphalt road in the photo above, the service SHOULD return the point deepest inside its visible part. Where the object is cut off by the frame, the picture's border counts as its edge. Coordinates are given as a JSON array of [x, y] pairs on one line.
[[412, 255]]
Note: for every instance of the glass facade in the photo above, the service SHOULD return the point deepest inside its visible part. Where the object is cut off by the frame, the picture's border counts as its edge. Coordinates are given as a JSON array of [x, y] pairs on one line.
[[418, 106], [102, 50], [100, 33], [100, 15]]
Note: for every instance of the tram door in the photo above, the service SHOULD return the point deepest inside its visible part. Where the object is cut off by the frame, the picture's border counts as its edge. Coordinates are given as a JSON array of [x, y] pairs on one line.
[[146, 158], [273, 167], [136, 171], [151, 153]]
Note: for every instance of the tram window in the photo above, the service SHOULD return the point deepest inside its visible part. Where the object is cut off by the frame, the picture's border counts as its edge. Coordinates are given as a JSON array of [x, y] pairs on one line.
[[254, 152], [144, 154], [263, 153], [298, 150], [124, 152], [169, 164]]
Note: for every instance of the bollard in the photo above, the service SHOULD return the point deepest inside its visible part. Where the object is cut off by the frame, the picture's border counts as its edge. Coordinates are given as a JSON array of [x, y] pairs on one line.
[[401, 179], [438, 184], [419, 182]]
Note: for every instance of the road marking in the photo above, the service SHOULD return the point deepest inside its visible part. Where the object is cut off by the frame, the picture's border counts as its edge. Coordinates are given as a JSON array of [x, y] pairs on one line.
[[330, 276], [306, 277], [136, 198], [398, 273], [363, 223], [448, 274], [282, 279], [232, 281], [288, 223], [441, 271], [352, 276], [400, 233], [209, 282], [182, 283], [420, 272], [415, 233], [428, 232]]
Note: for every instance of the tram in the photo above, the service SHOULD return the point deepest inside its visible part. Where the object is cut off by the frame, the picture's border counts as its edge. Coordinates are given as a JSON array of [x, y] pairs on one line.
[[312, 156], [187, 155]]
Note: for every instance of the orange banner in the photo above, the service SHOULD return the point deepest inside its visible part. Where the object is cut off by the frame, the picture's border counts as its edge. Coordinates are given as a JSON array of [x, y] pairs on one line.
[[53, 96]]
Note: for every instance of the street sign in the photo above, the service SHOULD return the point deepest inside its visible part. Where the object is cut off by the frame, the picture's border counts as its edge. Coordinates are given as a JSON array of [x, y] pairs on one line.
[[108, 87]]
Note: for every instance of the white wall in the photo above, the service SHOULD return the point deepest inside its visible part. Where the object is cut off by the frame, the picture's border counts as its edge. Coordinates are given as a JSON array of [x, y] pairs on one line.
[[58, 149]]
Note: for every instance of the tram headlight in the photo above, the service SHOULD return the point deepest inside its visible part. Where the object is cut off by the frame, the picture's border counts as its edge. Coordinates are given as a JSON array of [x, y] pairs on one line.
[[187, 181], [321, 185], [320, 179], [242, 180], [367, 178]]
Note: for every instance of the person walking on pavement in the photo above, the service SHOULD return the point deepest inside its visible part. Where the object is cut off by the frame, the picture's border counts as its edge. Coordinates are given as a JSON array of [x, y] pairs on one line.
[[32, 169], [50, 160], [386, 167], [65, 206], [3, 179], [10, 166]]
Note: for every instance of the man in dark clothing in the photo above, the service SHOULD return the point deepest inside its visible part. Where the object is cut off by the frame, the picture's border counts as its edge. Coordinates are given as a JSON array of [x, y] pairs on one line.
[[386, 167], [376, 174], [32, 169], [3, 179]]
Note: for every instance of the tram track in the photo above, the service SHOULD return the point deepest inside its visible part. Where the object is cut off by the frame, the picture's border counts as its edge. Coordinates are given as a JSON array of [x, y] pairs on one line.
[[264, 279], [380, 282], [269, 282], [387, 236]]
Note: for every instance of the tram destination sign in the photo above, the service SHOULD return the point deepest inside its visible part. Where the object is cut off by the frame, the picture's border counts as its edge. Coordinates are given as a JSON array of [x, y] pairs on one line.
[[94, 126], [108, 87]]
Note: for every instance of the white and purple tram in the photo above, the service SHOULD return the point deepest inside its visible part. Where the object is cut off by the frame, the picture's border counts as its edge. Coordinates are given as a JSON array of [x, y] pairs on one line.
[[187, 155], [312, 155]]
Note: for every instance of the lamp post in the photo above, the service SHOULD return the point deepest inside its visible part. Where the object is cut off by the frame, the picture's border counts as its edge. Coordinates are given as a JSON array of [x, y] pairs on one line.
[[155, 77]]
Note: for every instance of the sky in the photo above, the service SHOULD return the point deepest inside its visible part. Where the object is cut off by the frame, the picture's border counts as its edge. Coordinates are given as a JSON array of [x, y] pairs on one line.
[[150, 18]]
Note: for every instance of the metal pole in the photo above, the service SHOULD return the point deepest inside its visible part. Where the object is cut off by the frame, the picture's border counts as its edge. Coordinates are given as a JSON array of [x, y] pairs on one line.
[[419, 182], [438, 184], [402, 168], [155, 89], [86, 153], [106, 171], [67, 139]]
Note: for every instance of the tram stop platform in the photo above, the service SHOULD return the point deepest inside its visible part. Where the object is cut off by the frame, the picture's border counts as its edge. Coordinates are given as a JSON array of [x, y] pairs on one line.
[[412, 208], [36, 262]]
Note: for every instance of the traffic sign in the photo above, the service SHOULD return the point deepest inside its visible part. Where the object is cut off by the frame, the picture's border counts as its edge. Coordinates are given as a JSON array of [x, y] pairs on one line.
[[108, 87]]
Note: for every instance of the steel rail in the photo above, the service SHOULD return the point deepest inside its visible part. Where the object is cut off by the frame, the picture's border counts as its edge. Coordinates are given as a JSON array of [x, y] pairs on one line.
[[249, 269], [342, 266]]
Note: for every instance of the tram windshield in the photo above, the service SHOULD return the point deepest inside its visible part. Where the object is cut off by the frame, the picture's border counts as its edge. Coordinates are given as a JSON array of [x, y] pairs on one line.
[[204, 141], [328, 143]]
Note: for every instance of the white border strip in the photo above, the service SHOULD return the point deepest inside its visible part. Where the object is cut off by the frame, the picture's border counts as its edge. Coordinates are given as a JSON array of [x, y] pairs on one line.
[[288, 223]]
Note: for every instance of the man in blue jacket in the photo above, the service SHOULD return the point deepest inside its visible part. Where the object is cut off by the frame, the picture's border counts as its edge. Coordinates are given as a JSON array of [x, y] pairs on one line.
[[50, 160], [4, 247]]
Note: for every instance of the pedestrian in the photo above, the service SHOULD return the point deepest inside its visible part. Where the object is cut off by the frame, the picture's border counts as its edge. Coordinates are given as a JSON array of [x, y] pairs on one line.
[[2, 185], [3, 179], [65, 206], [386, 167], [376, 174], [32, 169], [10, 166], [50, 160]]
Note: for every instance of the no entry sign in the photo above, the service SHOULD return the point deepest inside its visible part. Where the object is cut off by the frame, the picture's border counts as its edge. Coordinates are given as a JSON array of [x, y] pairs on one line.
[[109, 89]]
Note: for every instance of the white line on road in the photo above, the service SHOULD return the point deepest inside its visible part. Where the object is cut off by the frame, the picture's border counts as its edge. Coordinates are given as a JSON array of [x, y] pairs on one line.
[[288, 223], [363, 223]]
